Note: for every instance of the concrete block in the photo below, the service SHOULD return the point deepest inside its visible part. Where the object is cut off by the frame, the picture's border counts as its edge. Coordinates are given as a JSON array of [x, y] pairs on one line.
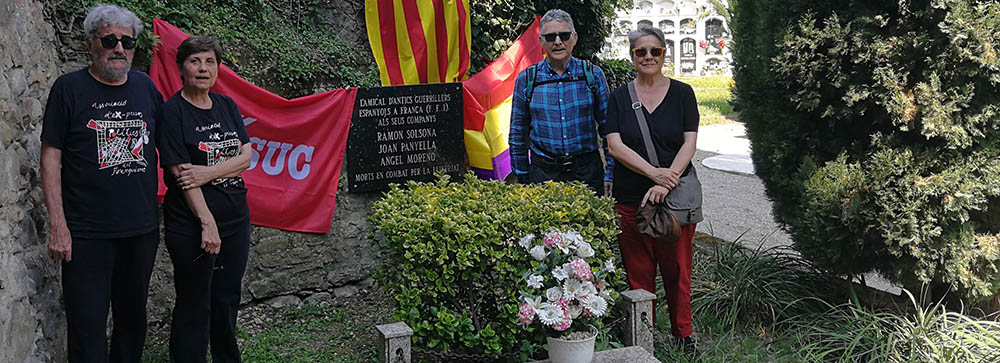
[[394, 341]]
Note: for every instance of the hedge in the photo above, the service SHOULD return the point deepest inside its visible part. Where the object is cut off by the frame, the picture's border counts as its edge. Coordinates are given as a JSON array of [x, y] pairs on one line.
[[453, 263], [875, 128]]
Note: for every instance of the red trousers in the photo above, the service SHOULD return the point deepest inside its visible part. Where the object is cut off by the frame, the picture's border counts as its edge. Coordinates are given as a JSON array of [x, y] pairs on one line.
[[641, 254]]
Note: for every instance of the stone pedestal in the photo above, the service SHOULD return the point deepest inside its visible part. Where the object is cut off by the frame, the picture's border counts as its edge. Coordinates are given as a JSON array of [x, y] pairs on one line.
[[394, 340], [639, 318]]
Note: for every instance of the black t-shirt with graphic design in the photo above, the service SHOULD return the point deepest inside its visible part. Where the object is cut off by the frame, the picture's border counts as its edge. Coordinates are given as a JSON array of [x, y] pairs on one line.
[[189, 134], [107, 137], [676, 114]]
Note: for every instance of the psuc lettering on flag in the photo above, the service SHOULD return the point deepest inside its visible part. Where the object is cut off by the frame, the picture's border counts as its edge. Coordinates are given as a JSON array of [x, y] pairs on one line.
[[279, 155]]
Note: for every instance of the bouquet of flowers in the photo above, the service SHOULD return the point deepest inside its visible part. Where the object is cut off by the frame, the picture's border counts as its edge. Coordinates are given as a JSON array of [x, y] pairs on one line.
[[567, 284]]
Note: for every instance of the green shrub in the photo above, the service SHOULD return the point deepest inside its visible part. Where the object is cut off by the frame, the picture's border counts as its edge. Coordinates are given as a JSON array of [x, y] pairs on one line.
[[874, 126], [617, 72], [497, 23], [453, 263], [284, 46]]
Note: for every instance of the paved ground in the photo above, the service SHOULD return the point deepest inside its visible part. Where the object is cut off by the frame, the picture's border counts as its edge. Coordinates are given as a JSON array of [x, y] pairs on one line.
[[734, 201], [735, 205]]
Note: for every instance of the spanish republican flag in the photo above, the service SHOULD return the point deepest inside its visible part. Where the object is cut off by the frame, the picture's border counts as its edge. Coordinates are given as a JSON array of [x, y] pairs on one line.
[[419, 41], [488, 96]]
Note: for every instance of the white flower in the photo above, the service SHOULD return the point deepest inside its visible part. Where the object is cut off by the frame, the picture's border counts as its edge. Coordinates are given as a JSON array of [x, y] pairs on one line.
[[606, 294], [587, 288], [595, 304], [554, 293], [609, 266], [560, 273], [537, 252], [526, 240], [584, 250], [535, 281], [550, 314], [535, 304], [574, 311], [573, 289], [573, 238]]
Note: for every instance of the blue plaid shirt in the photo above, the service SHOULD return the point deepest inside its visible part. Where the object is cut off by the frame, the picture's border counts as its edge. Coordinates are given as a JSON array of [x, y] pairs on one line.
[[560, 119]]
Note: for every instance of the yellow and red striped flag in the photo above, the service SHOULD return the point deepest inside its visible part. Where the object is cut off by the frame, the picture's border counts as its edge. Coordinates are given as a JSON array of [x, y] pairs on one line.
[[419, 41], [488, 104]]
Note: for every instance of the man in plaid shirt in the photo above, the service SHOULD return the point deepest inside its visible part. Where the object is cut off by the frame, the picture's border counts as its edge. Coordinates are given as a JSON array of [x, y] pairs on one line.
[[556, 123]]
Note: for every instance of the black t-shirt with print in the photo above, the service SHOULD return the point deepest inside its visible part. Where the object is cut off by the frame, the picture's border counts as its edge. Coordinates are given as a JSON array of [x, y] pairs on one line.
[[189, 134], [676, 114], [107, 137]]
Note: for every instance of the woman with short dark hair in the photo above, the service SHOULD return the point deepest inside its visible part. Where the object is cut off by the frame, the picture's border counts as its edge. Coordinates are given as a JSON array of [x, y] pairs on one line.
[[651, 173], [203, 149]]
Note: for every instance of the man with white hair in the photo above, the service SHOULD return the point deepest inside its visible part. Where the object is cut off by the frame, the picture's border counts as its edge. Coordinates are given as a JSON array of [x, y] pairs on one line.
[[98, 169], [558, 106]]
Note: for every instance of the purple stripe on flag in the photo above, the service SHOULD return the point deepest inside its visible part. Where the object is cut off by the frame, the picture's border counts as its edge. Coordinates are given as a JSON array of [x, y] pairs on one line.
[[483, 173], [501, 165]]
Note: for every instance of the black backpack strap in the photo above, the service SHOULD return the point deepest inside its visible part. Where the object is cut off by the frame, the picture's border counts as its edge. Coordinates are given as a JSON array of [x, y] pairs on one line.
[[532, 72], [588, 76], [588, 73]]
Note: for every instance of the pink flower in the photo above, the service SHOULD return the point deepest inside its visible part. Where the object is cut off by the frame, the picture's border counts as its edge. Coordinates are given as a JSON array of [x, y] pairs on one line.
[[565, 322], [551, 239], [526, 315], [562, 303], [582, 270]]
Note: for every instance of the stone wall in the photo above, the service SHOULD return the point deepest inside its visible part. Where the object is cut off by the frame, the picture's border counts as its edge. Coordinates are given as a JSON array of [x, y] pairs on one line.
[[31, 318], [289, 267], [284, 267]]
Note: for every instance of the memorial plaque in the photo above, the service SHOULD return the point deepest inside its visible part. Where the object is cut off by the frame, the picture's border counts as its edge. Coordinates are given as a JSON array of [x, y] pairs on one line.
[[403, 133]]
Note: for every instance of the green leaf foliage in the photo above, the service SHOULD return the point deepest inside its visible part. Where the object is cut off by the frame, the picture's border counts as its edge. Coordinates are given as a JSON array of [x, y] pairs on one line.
[[618, 72], [453, 262], [289, 47], [875, 128], [497, 23]]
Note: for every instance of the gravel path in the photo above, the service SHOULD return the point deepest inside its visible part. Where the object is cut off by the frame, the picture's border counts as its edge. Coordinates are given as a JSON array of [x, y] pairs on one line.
[[735, 206]]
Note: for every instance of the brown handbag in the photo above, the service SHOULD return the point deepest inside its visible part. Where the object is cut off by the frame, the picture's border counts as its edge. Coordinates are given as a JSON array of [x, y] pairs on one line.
[[653, 220]]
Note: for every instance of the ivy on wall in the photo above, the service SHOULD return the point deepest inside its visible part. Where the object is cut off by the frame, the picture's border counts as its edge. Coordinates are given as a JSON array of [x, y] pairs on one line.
[[290, 47]]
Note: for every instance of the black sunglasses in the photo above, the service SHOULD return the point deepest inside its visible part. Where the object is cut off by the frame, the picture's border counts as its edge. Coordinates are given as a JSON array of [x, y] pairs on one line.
[[641, 52], [208, 263], [109, 41], [551, 37]]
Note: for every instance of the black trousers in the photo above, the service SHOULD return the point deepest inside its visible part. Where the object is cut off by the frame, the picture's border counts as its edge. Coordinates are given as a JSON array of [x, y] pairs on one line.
[[208, 295], [108, 272], [587, 168]]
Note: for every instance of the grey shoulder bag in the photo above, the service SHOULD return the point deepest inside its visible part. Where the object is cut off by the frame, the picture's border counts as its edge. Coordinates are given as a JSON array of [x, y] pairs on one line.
[[684, 201]]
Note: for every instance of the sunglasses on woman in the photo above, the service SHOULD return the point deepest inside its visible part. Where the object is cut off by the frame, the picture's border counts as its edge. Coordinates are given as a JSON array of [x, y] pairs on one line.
[[551, 37], [109, 41], [641, 52]]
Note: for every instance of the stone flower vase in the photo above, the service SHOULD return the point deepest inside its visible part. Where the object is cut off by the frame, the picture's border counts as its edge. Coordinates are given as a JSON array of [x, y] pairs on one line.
[[572, 351]]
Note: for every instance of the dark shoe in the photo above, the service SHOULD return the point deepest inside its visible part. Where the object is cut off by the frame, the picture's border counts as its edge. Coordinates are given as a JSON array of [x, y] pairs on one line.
[[687, 345]]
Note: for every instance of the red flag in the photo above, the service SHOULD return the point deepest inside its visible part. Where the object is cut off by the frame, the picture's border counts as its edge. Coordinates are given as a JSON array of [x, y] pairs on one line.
[[298, 145], [487, 105]]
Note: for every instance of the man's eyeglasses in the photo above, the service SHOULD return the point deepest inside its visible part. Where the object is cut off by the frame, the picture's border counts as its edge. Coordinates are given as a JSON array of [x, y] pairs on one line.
[[641, 52], [208, 263], [551, 37], [109, 41]]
